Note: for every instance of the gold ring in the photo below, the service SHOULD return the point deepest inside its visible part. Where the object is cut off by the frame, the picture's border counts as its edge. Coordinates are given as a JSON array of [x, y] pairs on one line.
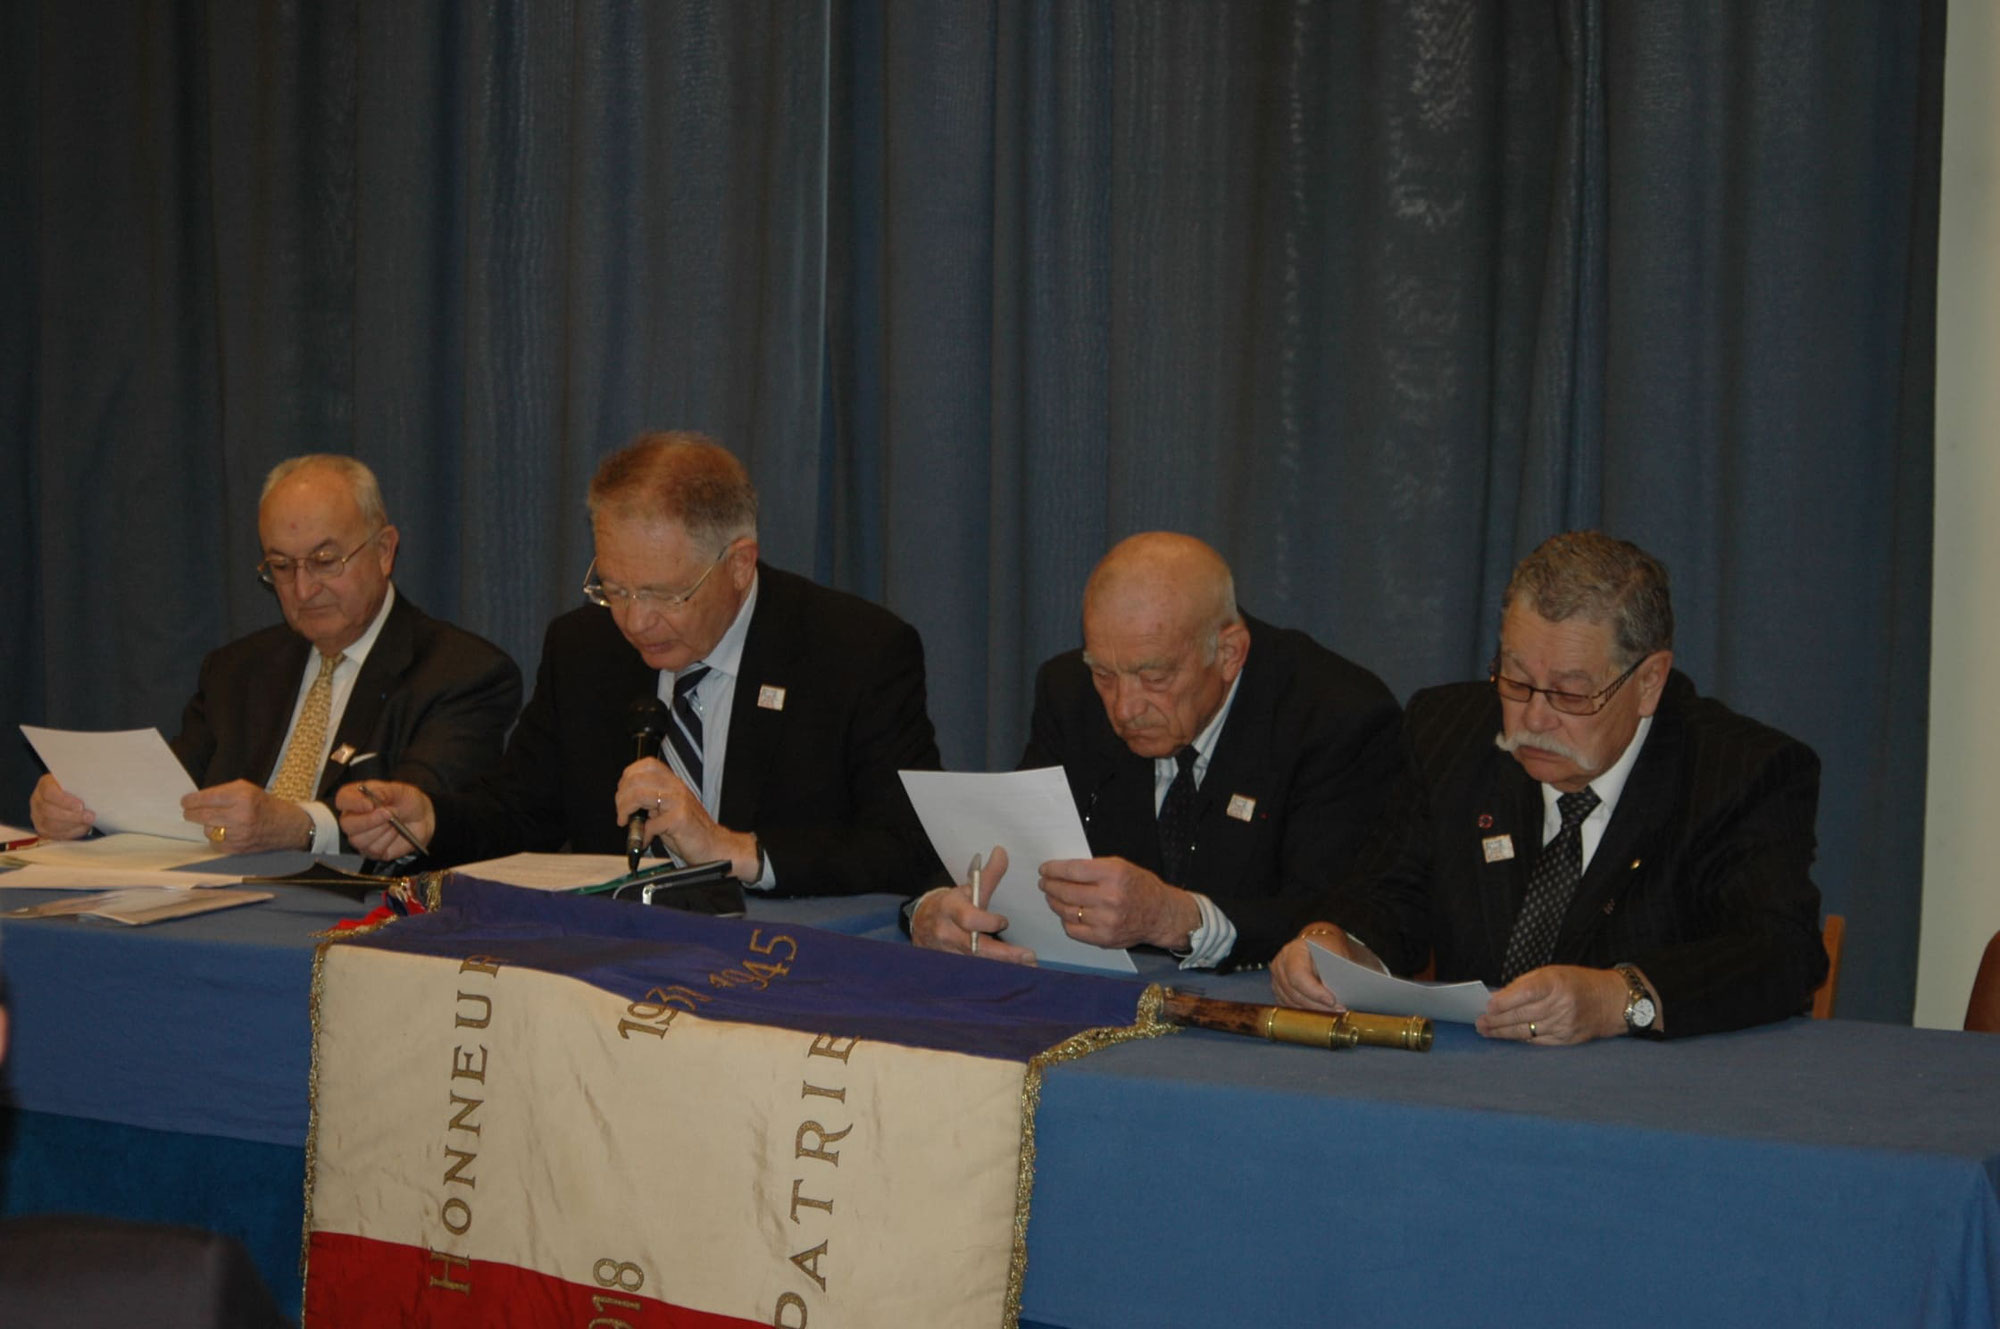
[[1531, 1029], [1079, 915], [216, 834]]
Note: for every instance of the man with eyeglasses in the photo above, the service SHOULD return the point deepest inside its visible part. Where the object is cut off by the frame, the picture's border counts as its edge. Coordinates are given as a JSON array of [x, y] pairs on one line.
[[791, 707], [1224, 767], [356, 683], [1612, 852]]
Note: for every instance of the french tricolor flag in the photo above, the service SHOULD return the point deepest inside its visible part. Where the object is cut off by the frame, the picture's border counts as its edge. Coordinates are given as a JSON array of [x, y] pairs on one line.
[[534, 1109]]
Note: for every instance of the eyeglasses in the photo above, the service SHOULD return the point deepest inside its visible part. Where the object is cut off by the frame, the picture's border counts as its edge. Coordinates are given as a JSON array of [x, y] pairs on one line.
[[598, 592], [1569, 703], [324, 565]]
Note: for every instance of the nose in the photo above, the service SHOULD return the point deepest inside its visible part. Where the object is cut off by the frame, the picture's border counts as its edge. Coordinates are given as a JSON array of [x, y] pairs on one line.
[[1539, 716], [1128, 703]]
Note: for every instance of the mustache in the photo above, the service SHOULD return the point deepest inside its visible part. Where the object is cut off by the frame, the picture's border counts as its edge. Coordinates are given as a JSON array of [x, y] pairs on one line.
[[1507, 742]]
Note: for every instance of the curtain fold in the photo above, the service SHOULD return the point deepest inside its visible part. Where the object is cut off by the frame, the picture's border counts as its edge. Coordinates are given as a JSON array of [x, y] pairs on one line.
[[1373, 298]]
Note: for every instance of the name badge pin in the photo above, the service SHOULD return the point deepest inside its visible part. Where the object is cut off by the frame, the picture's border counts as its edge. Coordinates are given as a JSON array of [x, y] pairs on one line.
[[1242, 807], [1497, 848], [770, 698]]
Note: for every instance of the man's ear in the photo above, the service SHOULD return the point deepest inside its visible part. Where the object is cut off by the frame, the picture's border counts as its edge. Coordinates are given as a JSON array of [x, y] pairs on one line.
[[1652, 680], [1232, 649], [742, 563]]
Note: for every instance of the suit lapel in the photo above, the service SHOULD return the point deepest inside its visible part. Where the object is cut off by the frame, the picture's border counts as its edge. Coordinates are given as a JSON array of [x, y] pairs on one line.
[[1239, 767], [1642, 808], [770, 655], [388, 660], [1505, 883], [267, 711]]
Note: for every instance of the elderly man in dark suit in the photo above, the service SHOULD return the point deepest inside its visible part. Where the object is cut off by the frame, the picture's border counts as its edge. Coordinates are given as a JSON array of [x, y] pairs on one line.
[[1615, 853], [792, 706], [356, 682], [1225, 768]]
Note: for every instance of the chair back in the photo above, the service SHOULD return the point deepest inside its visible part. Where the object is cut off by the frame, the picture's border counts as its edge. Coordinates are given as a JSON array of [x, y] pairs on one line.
[[1831, 936], [1982, 1012]]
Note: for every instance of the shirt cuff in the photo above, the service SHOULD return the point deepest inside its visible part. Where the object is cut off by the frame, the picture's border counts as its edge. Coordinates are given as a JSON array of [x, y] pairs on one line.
[[1209, 945], [767, 880], [326, 831]]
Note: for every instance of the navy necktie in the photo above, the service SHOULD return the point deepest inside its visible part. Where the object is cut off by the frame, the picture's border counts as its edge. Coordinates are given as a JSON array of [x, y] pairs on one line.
[[1177, 818], [1550, 887], [685, 732]]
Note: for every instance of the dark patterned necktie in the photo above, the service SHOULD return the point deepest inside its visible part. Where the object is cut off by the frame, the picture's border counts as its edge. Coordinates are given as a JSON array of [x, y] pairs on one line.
[[1177, 817], [1550, 887], [685, 732]]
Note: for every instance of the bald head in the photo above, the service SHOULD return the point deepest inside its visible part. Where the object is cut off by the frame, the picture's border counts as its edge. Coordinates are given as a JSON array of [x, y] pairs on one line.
[[1162, 639], [1173, 577]]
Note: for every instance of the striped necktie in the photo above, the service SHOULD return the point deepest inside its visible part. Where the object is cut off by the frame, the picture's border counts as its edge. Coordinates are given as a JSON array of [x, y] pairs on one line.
[[685, 732]]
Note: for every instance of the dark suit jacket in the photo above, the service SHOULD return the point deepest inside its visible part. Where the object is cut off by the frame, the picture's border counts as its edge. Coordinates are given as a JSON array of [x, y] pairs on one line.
[[1311, 737], [815, 781], [432, 700], [1701, 879]]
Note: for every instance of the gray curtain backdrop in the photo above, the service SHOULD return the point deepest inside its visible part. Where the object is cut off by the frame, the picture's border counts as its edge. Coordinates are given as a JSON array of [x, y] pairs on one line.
[[1372, 297]]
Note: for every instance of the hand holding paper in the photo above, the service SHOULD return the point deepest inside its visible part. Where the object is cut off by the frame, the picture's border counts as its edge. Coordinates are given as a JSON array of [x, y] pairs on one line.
[[1031, 816], [131, 779]]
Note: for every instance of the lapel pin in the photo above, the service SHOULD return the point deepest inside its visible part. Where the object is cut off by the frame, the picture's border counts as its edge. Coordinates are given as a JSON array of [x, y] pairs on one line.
[[1497, 848], [341, 755], [1242, 807], [1485, 821], [1635, 865], [770, 698]]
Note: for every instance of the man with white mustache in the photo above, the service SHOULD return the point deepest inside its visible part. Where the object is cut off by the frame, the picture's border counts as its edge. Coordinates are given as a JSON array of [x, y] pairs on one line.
[[1621, 856]]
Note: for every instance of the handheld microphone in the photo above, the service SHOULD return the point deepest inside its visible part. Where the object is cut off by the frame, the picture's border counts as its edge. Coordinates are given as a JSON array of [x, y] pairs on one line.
[[649, 725]]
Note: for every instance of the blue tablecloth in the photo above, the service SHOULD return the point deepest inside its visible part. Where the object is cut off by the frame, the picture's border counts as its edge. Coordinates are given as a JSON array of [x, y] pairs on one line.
[[1817, 1173]]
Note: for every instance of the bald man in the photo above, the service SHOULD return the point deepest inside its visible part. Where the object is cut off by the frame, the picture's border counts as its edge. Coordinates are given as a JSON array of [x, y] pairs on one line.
[[356, 682], [1225, 769]]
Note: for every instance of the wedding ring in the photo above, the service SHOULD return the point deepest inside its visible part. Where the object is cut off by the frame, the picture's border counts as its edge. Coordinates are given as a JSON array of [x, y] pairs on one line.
[[1079, 915], [1531, 1029], [216, 834]]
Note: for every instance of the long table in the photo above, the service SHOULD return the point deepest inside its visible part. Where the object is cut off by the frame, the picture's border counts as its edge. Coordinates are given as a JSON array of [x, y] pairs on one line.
[[1823, 1173]]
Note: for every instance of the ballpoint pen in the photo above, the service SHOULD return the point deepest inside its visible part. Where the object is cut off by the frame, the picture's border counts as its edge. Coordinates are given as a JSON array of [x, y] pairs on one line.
[[972, 875], [395, 821]]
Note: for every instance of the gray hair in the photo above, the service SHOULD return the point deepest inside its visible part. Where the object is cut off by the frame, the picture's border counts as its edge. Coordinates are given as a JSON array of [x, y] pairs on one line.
[[1590, 575], [361, 481], [679, 476]]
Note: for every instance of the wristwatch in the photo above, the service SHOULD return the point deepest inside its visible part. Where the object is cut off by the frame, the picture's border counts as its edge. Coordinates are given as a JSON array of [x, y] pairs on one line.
[[1640, 1012]]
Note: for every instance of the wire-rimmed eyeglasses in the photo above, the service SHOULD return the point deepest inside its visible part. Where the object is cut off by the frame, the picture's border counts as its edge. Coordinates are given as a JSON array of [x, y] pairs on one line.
[[1569, 703], [320, 565], [599, 592]]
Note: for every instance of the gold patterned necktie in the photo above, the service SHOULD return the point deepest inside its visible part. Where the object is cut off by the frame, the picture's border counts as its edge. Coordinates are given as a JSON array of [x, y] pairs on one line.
[[298, 773]]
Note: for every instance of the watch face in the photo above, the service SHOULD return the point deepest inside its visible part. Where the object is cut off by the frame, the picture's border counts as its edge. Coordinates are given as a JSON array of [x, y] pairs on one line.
[[1640, 1014]]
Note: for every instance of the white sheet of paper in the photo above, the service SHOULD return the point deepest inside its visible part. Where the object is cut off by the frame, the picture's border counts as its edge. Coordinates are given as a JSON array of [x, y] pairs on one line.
[[129, 778], [129, 850], [549, 872], [1361, 988], [1029, 814], [70, 877]]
